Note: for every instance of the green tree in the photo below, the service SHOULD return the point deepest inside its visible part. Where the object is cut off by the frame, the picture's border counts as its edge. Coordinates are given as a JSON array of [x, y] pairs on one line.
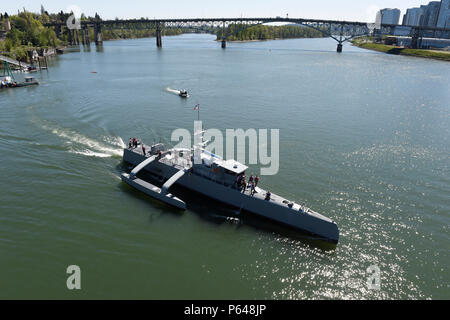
[[263, 32]]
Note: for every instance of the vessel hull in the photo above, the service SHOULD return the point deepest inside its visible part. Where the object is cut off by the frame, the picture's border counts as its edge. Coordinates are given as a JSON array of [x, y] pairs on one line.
[[311, 223]]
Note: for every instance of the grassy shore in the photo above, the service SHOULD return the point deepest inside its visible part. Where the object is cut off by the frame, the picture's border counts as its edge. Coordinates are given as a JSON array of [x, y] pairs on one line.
[[422, 53]]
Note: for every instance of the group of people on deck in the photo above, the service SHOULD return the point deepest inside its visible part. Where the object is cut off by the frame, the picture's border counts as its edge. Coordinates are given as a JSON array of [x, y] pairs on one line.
[[242, 184], [133, 143]]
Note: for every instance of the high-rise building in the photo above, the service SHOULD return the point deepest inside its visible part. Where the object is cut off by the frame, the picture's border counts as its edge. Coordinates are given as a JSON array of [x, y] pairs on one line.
[[435, 14], [431, 14], [443, 20], [390, 16], [413, 17], [423, 12]]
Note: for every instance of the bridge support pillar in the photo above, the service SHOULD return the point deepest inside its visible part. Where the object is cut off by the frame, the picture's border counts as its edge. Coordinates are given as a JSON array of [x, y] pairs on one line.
[[58, 31], [416, 38], [158, 36], [87, 39], [76, 37], [339, 48], [98, 34], [224, 43], [83, 37], [69, 37], [414, 42]]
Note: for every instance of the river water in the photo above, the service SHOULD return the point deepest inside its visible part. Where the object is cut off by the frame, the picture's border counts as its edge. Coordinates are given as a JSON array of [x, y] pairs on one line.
[[364, 139]]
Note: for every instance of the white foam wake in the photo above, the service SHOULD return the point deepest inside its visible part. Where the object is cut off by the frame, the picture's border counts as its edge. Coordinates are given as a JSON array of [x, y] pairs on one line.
[[81, 144], [90, 153], [173, 90], [116, 141]]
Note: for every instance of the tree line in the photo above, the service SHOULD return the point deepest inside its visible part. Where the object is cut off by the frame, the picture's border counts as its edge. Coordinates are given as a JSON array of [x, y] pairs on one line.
[[241, 32], [28, 32]]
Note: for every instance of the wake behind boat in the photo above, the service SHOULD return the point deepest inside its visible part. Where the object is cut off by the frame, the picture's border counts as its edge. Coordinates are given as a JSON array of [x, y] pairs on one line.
[[220, 180], [182, 93]]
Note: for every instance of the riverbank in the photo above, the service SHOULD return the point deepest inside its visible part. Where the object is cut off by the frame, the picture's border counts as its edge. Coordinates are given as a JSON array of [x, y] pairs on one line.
[[263, 40], [421, 53]]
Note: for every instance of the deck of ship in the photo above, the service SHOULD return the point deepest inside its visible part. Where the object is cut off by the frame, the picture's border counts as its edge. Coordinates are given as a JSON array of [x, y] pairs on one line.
[[185, 163]]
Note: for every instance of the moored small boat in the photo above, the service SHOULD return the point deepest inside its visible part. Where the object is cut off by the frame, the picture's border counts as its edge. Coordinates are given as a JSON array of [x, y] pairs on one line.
[[29, 81]]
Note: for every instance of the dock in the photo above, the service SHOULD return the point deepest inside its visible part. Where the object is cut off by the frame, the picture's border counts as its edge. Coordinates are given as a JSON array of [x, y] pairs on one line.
[[21, 65]]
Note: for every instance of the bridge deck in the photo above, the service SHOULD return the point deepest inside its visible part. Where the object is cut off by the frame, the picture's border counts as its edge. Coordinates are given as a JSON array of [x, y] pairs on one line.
[[241, 20], [14, 62]]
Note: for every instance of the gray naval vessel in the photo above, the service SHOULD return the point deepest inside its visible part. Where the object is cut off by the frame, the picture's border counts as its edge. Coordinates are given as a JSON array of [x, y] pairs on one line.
[[216, 178]]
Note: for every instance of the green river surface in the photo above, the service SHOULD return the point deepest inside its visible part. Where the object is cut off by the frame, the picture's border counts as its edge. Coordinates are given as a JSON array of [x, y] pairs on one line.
[[364, 140]]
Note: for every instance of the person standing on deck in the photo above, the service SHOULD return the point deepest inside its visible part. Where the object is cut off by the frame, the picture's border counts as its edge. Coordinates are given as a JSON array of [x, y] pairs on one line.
[[143, 149], [244, 183], [256, 181], [130, 144], [237, 182]]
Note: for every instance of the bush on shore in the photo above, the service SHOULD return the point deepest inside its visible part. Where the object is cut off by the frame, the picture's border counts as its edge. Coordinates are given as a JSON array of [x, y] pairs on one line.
[[403, 51]]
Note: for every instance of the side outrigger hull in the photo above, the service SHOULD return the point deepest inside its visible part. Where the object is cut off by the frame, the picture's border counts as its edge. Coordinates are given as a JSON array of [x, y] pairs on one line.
[[154, 192]]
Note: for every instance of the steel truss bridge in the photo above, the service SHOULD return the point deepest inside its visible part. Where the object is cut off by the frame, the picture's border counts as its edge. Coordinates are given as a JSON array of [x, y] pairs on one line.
[[340, 31]]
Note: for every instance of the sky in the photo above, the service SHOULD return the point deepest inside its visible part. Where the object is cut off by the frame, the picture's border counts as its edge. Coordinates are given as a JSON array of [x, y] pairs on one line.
[[350, 10]]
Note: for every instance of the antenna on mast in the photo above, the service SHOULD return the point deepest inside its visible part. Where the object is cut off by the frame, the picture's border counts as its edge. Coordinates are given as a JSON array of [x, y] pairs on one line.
[[197, 107]]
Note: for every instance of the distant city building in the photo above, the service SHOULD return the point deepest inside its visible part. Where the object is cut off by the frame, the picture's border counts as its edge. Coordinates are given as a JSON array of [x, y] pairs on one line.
[[425, 42], [413, 17], [443, 20], [434, 14], [431, 14], [390, 16], [402, 31]]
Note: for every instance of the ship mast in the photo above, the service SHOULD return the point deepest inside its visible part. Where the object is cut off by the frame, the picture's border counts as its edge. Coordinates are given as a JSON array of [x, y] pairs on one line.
[[198, 147], [197, 107]]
